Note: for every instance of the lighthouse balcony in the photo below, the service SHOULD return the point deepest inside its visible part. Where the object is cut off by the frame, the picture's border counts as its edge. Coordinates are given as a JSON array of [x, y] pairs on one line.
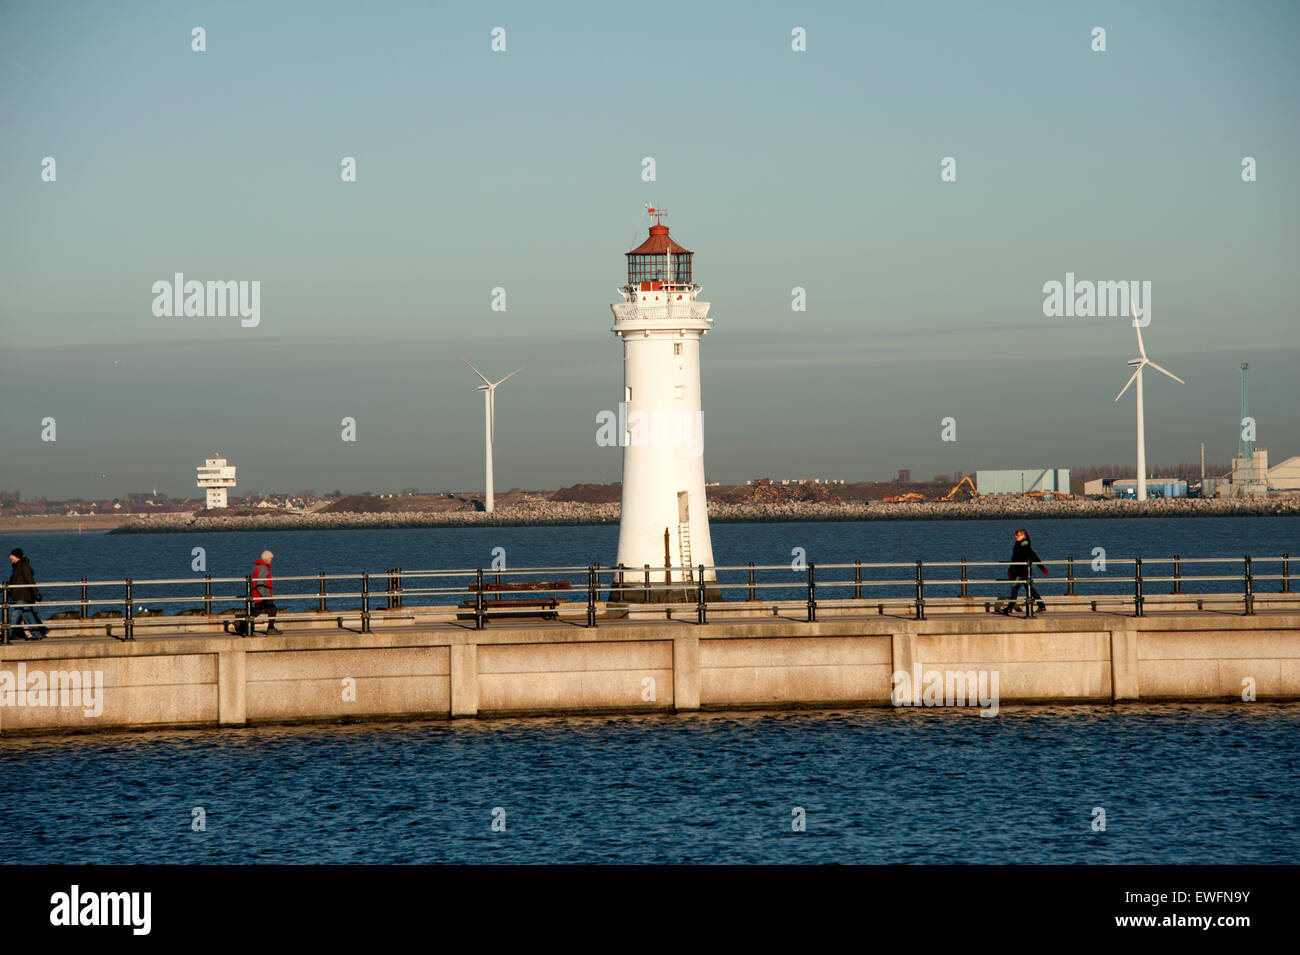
[[695, 313]]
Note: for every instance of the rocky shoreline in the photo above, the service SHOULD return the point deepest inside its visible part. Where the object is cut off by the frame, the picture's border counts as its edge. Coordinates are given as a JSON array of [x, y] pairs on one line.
[[540, 513]]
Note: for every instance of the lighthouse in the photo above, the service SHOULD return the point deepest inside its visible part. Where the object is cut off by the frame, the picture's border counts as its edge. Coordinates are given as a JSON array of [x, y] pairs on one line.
[[664, 522]]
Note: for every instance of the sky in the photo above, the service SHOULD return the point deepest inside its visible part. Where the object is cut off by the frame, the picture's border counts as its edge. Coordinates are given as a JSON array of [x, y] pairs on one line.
[[522, 169]]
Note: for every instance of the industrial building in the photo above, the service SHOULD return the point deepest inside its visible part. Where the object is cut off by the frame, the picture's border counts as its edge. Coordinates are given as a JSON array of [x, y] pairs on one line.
[[1127, 487], [1250, 472], [1285, 476], [1023, 480], [1253, 476]]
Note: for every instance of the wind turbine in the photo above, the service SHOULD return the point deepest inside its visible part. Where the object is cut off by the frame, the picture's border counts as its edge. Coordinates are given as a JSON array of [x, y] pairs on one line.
[[1141, 363], [489, 389]]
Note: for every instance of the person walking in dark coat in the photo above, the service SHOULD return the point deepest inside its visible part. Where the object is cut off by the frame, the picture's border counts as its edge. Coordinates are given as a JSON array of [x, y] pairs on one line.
[[22, 591], [1022, 555]]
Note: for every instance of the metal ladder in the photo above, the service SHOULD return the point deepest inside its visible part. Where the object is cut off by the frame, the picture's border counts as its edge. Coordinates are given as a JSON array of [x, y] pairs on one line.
[[684, 546]]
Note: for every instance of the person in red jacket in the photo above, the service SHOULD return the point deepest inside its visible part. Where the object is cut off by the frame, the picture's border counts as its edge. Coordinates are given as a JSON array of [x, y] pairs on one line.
[[263, 589]]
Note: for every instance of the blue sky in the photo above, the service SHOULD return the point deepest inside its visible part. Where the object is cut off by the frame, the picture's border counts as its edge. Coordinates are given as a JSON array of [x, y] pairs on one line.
[[522, 170]]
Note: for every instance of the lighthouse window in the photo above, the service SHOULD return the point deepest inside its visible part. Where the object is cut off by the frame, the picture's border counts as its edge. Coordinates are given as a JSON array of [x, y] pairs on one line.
[[654, 268], [627, 393], [677, 348], [646, 268]]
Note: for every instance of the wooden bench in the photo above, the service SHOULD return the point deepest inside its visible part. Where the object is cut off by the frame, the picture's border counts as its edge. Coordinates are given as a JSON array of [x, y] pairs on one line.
[[545, 607]]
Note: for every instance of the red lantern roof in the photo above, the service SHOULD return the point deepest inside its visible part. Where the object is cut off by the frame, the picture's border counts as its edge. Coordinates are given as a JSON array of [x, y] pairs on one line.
[[659, 243]]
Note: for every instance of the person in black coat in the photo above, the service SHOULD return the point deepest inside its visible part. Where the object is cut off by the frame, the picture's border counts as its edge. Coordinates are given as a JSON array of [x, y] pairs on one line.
[[22, 590], [1022, 555]]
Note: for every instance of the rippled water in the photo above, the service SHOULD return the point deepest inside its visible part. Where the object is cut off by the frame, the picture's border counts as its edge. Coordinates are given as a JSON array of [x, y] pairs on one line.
[[1179, 784]]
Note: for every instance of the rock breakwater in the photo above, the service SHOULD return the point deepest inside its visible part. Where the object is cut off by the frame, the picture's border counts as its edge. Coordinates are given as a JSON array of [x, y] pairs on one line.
[[541, 512]]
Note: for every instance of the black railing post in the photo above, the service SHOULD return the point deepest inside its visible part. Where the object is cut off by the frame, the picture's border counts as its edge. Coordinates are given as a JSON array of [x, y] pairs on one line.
[[128, 620], [248, 603], [622, 594], [857, 579], [365, 602], [1069, 576], [920, 592], [4, 613], [1029, 591], [1286, 573], [85, 600], [320, 591], [207, 595], [1178, 575], [591, 595], [701, 611], [478, 600], [647, 583], [1137, 587], [400, 587], [963, 576], [1250, 588], [812, 593], [751, 581], [388, 589]]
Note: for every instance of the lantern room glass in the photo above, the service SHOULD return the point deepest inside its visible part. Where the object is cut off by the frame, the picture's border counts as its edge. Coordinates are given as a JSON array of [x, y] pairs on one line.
[[651, 268]]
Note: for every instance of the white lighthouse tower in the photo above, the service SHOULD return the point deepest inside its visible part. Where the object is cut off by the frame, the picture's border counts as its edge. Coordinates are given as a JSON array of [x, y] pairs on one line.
[[665, 519]]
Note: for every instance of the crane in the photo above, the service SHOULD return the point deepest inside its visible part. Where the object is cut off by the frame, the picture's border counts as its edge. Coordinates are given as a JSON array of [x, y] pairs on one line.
[[970, 486]]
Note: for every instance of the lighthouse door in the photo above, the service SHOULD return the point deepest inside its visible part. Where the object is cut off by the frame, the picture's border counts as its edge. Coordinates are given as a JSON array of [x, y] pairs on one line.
[[683, 507]]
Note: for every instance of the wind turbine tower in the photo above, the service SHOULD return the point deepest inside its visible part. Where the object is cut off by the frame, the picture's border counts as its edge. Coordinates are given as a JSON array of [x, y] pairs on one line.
[[1142, 362], [489, 389]]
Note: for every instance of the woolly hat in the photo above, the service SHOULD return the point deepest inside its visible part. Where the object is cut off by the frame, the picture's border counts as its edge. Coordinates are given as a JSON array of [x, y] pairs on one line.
[[17, 552]]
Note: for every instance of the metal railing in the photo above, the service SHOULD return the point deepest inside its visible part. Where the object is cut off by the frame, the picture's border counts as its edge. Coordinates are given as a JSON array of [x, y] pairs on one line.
[[575, 594]]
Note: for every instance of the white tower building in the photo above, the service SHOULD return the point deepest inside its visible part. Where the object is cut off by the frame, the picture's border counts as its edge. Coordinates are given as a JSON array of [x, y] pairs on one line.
[[665, 520], [216, 476]]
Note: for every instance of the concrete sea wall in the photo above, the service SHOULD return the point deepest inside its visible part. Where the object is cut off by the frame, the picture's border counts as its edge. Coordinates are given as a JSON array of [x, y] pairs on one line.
[[633, 666]]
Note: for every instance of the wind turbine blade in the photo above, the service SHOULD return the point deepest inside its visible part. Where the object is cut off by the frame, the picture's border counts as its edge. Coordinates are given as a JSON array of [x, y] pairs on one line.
[[492, 413], [1167, 372], [1138, 328], [1130, 381], [511, 375], [475, 370]]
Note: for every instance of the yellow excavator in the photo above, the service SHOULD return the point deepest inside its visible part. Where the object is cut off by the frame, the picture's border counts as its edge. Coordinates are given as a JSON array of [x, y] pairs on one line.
[[964, 482]]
